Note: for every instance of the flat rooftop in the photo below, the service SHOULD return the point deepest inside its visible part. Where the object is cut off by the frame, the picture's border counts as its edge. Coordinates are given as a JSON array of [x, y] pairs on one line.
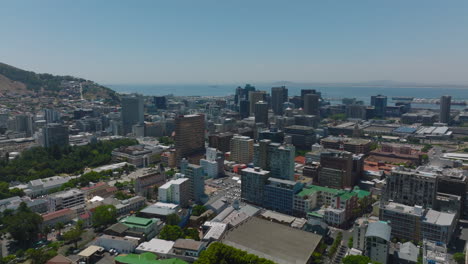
[[276, 242]]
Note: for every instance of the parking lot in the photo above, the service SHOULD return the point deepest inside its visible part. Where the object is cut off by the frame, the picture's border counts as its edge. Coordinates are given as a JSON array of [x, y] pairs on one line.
[[228, 187]]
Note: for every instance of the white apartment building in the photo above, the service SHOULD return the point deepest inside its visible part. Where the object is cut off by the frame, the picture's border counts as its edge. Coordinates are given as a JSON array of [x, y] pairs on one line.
[[66, 199], [175, 191], [377, 241]]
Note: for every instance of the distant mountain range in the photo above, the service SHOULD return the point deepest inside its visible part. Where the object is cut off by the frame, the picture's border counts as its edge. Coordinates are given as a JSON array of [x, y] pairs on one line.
[[377, 83], [17, 81]]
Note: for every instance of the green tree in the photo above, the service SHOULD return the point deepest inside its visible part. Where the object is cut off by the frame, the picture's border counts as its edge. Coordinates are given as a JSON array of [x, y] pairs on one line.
[[335, 244], [170, 173], [104, 215], [218, 253], [338, 117], [358, 260], [173, 219], [459, 258], [73, 236], [121, 195], [46, 230], [39, 162], [426, 148], [192, 233], [171, 232], [40, 256], [350, 242], [59, 226], [424, 157], [317, 257], [24, 226], [197, 210]]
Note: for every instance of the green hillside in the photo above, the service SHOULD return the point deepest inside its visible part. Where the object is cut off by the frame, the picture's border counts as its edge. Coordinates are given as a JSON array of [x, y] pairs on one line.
[[53, 84]]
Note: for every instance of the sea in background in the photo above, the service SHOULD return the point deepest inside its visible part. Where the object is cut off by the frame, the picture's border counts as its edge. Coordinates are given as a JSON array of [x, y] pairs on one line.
[[334, 93]]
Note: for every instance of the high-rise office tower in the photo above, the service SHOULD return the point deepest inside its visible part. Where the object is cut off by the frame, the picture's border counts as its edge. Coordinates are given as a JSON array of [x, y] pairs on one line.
[[189, 135], [261, 112], [254, 97], [160, 102], [380, 104], [253, 181], [243, 93], [242, 149], [337, 169], [445, 102], [276, 158], [24, 124], [244, 108], [303, 93], [311, 104], [132, 112], [221, 141], [278, 195], [196, 180], [411, 187], [55, 134], [279, 95]]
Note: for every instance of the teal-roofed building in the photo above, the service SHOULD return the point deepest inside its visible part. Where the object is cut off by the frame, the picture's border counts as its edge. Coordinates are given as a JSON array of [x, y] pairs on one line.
[[339, 206], [149, 227], [146, 258]]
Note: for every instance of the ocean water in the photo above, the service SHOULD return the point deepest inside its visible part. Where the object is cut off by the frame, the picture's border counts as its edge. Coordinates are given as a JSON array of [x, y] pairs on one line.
[[334, 92]]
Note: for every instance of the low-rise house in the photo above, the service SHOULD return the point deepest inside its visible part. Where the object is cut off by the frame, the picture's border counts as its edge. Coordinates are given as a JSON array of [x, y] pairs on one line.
[[126, 206], [159, 210], [160, 247], [121, 244], [188, 247], [59, 259], [406, 253], [117, 229], [213, 231], [149, 227]]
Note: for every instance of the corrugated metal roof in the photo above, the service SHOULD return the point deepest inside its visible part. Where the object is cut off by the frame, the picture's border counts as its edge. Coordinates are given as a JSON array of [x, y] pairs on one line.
[[379, 229]]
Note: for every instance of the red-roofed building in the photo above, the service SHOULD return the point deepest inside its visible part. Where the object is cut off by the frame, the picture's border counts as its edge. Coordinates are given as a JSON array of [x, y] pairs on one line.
[[99, 189], [300, 159], [86, 218], [60, 216], [59, 259]]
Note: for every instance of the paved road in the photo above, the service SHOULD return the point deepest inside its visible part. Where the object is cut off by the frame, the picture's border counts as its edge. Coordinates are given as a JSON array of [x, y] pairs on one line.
[[435, 155]]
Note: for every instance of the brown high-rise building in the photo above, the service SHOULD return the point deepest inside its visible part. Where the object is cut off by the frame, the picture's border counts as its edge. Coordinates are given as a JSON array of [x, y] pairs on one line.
[[221, 141], [337, 169], [189, 135], [254, 97]]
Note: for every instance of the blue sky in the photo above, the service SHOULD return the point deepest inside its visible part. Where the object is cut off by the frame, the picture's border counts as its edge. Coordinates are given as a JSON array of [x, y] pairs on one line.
[[198, 41]]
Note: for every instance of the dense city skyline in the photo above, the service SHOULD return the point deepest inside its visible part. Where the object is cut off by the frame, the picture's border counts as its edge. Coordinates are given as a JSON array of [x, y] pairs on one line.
[[246, 132]]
